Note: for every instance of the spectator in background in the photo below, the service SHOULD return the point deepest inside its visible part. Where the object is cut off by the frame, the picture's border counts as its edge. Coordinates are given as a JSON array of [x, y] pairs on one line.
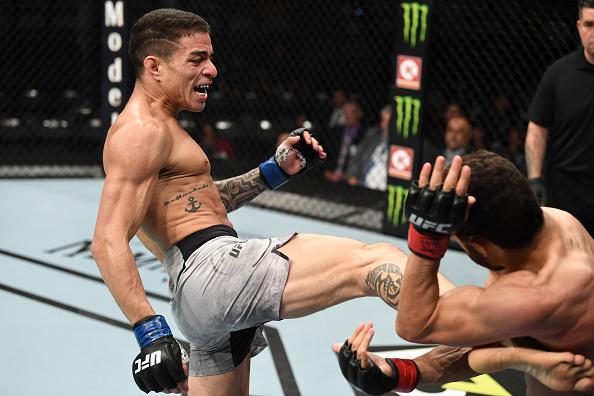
[[560, 138], [368, 167], [213, 144], [478, 139], [458, 134], [337, 118], [349, 136], [433, 143], [451, 110]]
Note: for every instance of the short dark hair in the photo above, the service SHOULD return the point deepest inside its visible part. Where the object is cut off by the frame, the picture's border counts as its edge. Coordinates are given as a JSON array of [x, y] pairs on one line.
[[584, 4], [506, 211], [157, 33]]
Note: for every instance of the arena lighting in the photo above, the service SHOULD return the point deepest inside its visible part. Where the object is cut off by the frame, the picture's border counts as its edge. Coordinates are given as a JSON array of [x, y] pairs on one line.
[[32, 93], [10, 122], [265, 125], [223, 125]]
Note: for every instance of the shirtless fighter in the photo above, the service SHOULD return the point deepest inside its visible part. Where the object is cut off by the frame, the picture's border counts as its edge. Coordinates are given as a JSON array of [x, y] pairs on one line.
[[541, 263], [223, 288]]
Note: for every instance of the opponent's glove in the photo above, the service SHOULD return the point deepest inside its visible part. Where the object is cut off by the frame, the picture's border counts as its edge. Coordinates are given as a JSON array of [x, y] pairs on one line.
[[271, 172], [538, 187], [159, 365], [433, 216], [371, 380]]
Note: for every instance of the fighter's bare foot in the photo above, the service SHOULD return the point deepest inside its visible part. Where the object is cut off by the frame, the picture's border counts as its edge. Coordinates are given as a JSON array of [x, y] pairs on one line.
[[562, 371]]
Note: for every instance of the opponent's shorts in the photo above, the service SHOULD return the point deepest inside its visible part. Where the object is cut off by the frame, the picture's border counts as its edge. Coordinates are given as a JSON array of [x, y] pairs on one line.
[[222, 293]]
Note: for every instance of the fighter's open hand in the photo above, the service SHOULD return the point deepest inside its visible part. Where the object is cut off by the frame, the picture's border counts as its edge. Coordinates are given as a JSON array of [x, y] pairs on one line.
[[436, 208], [370, 373], [359, 342], [458, 177], [299, 151]]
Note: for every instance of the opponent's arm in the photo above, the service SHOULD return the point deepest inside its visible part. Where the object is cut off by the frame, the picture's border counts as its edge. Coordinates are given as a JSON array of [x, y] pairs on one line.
[[535, 149], [299, 153], [133, 158], [562, 371]]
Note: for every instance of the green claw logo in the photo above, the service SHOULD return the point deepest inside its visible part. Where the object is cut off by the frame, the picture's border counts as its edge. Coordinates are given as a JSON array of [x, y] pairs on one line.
[[396, 198], [408, 112], [412, 13]]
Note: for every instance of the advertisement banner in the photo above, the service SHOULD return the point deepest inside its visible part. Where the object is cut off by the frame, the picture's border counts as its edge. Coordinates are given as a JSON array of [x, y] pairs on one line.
[[406, 124]]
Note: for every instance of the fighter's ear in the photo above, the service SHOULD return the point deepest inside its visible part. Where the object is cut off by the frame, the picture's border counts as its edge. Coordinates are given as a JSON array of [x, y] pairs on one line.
[[152, 67], [478, 243]]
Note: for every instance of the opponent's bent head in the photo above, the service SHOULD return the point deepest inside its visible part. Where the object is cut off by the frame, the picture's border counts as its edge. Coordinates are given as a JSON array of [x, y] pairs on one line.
[[158, 32], [506, 212]]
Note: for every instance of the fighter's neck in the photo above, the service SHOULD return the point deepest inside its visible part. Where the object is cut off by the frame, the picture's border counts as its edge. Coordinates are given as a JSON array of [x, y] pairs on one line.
[[156, 102], [535, 255]]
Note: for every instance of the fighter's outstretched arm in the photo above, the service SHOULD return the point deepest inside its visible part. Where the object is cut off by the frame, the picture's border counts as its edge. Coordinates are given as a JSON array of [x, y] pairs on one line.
[[287, 162], [561, 371]]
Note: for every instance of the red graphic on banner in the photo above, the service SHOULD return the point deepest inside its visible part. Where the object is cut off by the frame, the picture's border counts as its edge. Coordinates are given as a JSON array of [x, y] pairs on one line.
[[409, 72], [401, 162]]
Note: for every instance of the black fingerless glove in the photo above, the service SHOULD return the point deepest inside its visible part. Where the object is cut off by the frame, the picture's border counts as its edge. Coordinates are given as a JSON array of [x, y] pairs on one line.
[[371, 380], [433, 216], [159, 365], [271, 172]]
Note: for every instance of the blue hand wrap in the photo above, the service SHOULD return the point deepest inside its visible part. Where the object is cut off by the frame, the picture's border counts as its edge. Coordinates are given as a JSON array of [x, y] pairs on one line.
[[151, 329], [272, 174]]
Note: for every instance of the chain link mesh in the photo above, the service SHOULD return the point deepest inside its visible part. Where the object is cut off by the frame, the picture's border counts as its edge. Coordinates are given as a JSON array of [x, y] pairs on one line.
[[49, 83], [280, 64], [486, 59]]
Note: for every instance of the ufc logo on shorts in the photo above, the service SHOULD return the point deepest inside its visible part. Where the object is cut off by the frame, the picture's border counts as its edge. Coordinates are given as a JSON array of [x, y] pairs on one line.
[[442, 228], [150, 359], [235, 251]]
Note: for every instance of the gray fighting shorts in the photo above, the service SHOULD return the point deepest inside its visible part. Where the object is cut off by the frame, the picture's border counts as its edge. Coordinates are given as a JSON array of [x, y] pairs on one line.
[[223, 290]]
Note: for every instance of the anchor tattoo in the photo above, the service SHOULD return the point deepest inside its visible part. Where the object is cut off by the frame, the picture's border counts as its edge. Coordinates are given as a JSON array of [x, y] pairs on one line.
[[192, 203]]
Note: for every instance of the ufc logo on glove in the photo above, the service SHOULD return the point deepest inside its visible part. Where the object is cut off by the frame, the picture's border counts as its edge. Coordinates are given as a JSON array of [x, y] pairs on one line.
[[151, 359]]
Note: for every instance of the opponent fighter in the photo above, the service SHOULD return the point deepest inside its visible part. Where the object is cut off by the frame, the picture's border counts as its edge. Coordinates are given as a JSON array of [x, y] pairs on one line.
[[541, 282], [223, 288]]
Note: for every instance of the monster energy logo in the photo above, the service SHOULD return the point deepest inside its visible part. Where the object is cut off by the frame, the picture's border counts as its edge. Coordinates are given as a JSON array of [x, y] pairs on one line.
[[408, 112], [412, 12], [396, 197]]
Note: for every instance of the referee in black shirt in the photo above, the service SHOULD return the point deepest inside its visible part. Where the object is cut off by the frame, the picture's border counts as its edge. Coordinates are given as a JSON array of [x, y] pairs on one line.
[[560, 137]]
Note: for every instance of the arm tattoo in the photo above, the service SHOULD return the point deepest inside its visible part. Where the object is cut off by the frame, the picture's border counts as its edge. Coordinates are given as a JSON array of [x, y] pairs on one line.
[[386, 280], [238, 190]]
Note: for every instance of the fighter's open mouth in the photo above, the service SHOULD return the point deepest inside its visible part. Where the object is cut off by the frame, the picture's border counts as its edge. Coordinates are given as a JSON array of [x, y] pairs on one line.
[[202, 88]]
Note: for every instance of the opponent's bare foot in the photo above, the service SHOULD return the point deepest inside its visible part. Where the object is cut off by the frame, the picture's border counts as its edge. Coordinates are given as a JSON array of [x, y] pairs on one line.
[[561, 371]]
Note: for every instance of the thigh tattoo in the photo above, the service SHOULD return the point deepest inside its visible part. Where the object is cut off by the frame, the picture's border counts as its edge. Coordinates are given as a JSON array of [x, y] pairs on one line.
[[386, 280]]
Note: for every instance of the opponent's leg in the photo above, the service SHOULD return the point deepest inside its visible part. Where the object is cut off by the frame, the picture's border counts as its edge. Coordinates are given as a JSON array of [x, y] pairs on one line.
[[326, 270], [232, 383], [561, 371]]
